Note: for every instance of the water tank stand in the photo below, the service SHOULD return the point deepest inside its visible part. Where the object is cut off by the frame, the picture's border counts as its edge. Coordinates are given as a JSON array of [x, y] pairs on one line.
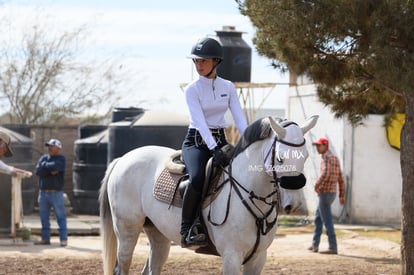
[[247, 100]]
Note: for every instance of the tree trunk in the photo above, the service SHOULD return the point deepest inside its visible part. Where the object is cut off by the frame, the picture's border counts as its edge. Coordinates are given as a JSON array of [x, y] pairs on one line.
[[407, 170]]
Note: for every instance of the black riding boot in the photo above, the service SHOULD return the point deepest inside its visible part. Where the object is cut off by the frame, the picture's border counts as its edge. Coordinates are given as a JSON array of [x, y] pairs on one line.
[[191, 233]]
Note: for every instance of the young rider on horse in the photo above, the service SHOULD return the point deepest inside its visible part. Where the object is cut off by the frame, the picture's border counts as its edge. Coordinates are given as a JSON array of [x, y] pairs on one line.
[[208, 98]]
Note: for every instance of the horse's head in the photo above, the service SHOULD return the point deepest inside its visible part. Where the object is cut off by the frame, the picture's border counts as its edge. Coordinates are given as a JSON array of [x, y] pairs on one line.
[[289, 154], [283, 151]]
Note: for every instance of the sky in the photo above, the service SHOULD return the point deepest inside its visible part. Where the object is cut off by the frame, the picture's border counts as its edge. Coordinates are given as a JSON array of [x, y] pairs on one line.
[[154, 39]]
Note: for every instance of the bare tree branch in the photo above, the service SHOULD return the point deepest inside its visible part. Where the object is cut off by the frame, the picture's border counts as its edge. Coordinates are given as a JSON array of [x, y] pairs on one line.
[[42, 81]]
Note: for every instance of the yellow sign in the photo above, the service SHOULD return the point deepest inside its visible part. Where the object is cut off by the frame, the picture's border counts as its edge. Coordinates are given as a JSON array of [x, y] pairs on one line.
[[394, 130]]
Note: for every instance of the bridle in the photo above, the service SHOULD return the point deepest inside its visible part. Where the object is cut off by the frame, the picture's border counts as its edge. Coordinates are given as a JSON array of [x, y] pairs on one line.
[[263, 225]]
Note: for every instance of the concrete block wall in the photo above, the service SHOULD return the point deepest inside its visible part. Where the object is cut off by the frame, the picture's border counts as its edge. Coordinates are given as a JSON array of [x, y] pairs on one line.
[[67, 134]]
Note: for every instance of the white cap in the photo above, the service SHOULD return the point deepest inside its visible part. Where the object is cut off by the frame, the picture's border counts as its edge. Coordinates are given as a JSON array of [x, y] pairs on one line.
[[54, 142]]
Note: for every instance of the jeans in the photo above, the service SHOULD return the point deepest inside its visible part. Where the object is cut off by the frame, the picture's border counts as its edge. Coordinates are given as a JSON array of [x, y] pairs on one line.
[[323, 216], [55, 200]]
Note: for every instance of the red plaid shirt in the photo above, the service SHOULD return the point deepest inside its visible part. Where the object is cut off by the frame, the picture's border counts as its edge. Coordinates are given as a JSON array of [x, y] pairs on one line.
[[331, 174]]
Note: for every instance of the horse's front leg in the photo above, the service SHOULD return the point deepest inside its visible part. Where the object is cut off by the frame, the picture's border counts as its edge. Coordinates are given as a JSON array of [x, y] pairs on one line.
[[232, 262], [255, 265]]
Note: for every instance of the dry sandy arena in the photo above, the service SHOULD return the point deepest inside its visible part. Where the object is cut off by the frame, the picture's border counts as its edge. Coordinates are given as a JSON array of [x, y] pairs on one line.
[[360, 252]]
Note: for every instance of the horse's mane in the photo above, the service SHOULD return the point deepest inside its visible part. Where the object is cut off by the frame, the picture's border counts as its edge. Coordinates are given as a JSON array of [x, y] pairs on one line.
[[258, 130]]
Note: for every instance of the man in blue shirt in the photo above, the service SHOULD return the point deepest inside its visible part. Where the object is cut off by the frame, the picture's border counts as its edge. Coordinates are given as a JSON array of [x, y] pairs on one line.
[[51, 171]]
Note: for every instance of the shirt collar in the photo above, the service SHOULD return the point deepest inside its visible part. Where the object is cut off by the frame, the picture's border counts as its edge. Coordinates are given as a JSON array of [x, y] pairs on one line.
[[206, 80], [324, 155]]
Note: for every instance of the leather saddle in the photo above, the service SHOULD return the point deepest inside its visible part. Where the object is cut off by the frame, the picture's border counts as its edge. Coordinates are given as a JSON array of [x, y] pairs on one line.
[[173, 181]]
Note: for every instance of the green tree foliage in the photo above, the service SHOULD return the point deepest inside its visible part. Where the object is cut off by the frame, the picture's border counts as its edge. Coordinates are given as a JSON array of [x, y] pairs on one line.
[[350, 48], [360, 53]]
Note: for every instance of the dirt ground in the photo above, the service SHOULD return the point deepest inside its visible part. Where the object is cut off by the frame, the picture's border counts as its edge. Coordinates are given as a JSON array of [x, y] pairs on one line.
[[360, 252]]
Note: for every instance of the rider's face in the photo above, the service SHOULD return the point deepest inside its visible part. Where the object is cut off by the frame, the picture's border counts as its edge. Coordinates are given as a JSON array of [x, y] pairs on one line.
[[204, 66]]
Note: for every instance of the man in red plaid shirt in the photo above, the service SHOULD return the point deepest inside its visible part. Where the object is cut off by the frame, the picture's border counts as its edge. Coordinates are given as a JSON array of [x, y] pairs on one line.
[[326, 188]]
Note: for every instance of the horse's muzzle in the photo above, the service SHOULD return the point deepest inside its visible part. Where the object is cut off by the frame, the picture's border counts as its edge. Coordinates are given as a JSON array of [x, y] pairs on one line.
[[293, 182]]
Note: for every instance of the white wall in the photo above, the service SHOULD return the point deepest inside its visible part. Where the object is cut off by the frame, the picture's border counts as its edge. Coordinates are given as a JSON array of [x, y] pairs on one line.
[[371, 167], [377, 179]]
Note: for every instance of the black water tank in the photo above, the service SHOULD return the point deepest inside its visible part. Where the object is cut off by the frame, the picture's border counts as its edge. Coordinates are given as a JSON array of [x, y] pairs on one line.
[[23, 129], [119, 113], [22, 158], [148, 128], [88, 171], [237, 56], [85, 131]]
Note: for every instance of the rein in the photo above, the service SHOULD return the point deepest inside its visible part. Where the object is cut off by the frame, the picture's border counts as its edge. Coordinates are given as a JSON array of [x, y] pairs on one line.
[[263, 225]]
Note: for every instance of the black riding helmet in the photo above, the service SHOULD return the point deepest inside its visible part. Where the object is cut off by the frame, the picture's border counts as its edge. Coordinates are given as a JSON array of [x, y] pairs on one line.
[[207, 48]]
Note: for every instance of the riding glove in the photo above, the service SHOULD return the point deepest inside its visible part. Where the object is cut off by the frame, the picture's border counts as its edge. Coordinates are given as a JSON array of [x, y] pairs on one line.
[[221, 157]]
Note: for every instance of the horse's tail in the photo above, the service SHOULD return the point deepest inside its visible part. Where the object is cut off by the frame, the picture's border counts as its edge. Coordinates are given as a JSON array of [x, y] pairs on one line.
[[108, 236]]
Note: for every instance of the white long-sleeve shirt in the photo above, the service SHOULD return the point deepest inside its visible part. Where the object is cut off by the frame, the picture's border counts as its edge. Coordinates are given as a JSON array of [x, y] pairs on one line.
[[5, 169], [208, 100]]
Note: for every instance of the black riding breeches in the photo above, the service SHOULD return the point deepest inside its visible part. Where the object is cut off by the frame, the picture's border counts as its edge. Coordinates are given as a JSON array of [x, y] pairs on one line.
[[196, 155]]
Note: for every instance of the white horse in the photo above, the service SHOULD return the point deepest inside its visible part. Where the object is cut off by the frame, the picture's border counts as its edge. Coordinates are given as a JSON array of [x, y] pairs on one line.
[[241, 221]]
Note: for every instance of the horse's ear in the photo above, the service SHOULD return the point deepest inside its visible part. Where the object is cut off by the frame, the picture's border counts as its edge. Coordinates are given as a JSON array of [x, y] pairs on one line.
[[279, 130], [310, 123]]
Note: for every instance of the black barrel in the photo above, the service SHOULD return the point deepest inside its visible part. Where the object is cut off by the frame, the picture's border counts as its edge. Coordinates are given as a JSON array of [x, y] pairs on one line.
[[85, 131], [22, 158], [119, 113], [88, 171], [23, 129], [149, 128], [237, 56]]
